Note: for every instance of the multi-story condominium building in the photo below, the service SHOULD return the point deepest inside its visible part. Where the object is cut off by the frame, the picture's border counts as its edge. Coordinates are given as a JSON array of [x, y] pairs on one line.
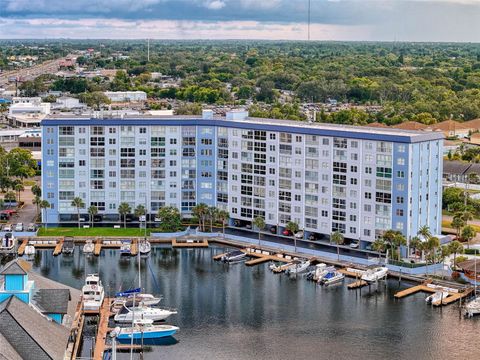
[[357, 180]]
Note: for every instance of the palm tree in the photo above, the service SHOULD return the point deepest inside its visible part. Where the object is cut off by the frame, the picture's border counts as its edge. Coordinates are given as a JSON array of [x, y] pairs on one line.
[[36, 201], [442, 254], [124, 209], [140, 211], [457, 223], [259, 223], [292, 226], [433, 244], [212, 214], [223, 216], [19, 188], [92, 211], [36, 190], [424, 231], [394, 239], [379, 246], [338, 238], [44, 205], [468, 233], [78, 203], [200, 211], [414, 244], [455, 248]]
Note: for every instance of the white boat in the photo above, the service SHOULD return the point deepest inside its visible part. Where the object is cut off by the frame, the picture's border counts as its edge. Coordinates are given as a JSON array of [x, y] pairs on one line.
[[127, 315], [437, 296], [144, 247], [125, 249], [332, 277], [321, 270], [140, 299], [375, 274], [7, 243], [472, 307], [234, 255], [298, 267], [144, 329], [29, 250], [89, 247], [92, 293], [273, 266]]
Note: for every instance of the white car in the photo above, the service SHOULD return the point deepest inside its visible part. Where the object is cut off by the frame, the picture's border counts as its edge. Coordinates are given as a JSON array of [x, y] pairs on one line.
[[19, 227], [354, 244], [7, 227], [299, 234]]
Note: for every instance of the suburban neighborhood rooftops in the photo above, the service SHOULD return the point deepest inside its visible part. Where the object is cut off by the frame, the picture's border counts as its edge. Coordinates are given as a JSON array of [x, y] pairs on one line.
[[455, 167]]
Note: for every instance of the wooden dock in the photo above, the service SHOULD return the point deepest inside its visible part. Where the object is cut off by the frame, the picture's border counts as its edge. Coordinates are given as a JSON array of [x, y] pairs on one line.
[[21, 248], [189, 243], [452, 297], [98, 247], [134, 247], [413, 290], [102, 329], [58, 248], [357, 284]]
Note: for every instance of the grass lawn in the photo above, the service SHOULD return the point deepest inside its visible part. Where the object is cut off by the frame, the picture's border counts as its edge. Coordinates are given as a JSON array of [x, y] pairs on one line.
[[99, 231], [447, 224]]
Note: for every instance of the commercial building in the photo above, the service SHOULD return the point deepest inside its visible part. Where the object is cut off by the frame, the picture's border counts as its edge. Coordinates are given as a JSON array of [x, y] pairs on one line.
[[356, 180], [126, 96], [27, 111]]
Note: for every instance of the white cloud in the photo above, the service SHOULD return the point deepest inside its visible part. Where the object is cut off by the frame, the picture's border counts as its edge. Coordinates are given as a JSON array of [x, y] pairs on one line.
[[214, 4]]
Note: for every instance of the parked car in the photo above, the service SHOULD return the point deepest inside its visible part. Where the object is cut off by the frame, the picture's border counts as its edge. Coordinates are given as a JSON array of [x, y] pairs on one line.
[[273, 229], [237, 223], [287, 232], [31, 227], [313, 237], [299, 234], [355, 244], [7, 227], [19, 227], [248, 226]]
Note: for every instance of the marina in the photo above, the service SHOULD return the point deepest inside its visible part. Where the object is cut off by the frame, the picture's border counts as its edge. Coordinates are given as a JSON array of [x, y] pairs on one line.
[[164, 264]]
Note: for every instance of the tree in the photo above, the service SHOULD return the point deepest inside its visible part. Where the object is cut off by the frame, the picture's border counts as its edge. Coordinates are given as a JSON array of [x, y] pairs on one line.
[[259, 223], [433, 244], [19, 188], [468, 233], [36, 190], [379, 246], [200, 211], [141, 211], [21, 163], [95, 99], [92, 211], [170, 219], [292, 227], [455, 248], [223, 217], [414, 243], [37, 200], [395, 240], [442, 254], [124, 209], [457, 223], [44, 205], [212, 215], [337, 238], [78, 203]]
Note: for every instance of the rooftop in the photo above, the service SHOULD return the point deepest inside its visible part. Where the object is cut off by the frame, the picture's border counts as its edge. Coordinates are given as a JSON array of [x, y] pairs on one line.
[[374, 133]]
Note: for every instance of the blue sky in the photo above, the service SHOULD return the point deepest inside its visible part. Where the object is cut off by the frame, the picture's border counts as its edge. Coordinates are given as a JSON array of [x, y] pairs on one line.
[[405, 20]]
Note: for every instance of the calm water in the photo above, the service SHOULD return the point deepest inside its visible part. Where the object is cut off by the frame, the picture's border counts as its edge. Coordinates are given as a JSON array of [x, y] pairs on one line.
[[239, 312]]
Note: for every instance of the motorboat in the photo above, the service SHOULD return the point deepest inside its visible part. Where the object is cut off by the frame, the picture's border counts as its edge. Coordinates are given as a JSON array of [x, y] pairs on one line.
[[126, 248], [7, 243], [127, 315], [472, 307], [321, 270], [234, 255], [436, 297], [68, 245], [89, 247], [92, 293], [332, 277], [299, 267], [144, 247], [29, 250], [144, 329], [273, 266], [375, 274], [140, 299]]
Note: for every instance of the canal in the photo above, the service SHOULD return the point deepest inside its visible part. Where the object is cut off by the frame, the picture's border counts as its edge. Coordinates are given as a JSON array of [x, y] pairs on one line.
[[238, 312]]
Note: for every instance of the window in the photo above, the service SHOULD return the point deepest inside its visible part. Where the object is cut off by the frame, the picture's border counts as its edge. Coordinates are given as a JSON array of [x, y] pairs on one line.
[[368, 195]]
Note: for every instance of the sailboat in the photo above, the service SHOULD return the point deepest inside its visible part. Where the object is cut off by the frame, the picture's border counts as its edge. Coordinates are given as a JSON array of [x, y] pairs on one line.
[[126, 297], [144, 329]]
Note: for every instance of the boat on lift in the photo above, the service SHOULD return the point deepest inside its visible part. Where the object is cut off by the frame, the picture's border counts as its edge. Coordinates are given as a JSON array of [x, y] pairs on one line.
[[235, 255], [321, 270], [332, 277], [472, 307], [144, 247], [374, 274], [89, 247], [68, 245], [7, 243], [298, 267], [29, 250], [92, 293], [126, 248], [144, 329]]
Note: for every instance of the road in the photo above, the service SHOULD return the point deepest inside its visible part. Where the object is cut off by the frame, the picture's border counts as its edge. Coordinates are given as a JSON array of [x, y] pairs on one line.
[[30, 73]]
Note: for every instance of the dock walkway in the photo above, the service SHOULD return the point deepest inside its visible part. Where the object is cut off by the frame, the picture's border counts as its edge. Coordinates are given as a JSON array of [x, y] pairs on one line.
[[58, 248], [21, 248], [102, 329], [189, 243]]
